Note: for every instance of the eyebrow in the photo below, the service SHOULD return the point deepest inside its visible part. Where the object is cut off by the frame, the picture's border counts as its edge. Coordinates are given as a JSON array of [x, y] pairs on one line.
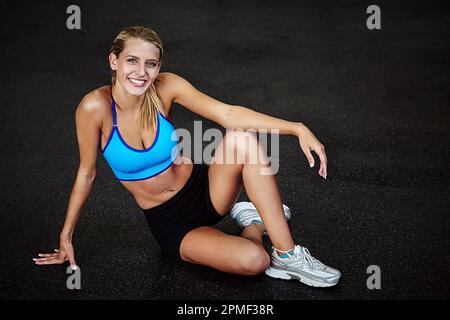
[[130, 55]]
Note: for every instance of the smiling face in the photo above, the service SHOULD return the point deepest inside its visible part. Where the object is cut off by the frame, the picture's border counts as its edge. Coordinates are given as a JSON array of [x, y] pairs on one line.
[[137, 66]]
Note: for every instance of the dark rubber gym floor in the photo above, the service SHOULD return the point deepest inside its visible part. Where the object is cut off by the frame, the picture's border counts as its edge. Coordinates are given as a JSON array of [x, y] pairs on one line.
[[377, 99]]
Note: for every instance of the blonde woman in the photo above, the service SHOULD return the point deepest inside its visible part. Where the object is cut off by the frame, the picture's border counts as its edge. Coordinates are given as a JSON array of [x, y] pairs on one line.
[[181, 200]]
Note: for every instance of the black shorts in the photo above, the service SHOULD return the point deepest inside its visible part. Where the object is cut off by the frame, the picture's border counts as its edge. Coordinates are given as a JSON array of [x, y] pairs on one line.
[[189, 208]]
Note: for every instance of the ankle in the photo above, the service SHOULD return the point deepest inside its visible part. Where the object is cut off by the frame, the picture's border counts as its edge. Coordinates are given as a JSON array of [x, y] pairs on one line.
[[285, 253]]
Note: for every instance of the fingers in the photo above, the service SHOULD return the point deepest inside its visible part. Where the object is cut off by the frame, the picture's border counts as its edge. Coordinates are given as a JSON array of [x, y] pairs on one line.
[[72, 262], [47, 255], [55, 258], [51, 260], [48, 258], [320, 151], [308, 155]]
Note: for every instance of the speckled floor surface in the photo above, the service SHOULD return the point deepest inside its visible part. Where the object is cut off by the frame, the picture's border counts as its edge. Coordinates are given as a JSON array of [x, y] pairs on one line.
[[378, 101]]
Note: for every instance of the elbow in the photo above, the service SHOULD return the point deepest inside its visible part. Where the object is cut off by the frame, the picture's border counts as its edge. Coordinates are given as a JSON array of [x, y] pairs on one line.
[[87, 175]]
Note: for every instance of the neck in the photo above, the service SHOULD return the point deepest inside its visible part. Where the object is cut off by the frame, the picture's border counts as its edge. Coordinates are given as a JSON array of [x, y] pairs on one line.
[[126, 101]]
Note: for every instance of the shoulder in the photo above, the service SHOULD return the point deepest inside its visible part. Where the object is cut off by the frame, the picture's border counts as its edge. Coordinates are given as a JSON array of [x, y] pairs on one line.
[[96, 100], [166, 78], [170, 79], [170, 84], [95, 104]]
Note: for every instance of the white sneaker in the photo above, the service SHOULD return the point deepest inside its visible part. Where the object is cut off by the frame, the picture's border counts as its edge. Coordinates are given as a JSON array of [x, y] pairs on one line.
[[303, 267], [245, 213]]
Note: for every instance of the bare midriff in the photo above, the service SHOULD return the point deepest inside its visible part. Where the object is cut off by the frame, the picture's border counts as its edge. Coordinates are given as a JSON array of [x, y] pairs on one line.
[[156, 190]]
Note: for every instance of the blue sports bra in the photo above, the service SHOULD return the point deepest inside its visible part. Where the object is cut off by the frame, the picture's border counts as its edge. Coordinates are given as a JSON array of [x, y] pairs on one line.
[[130, 164]]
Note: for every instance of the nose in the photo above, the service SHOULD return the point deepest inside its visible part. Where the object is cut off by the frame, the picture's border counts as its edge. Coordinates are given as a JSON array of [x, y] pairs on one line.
[[140, 70]]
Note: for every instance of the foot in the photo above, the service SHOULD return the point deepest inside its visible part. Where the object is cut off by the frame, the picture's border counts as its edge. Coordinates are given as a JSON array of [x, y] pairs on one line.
[[245, 213], [298, 264]]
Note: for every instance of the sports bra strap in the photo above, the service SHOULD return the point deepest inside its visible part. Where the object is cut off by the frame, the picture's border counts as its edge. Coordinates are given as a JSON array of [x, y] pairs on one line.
[[113, 105]]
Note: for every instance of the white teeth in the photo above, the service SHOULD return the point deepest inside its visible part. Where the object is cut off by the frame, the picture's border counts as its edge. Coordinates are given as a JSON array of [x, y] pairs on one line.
[[138, 82]]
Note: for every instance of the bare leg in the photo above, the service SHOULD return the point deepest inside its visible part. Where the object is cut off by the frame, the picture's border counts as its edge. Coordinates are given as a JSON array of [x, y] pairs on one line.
[[261, 189], [213, 248], [224, 252], [263, 192], [253, 232]]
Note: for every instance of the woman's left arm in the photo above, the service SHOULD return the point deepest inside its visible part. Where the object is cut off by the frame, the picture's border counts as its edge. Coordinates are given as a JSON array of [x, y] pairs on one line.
[[245, 118], [238, 117]]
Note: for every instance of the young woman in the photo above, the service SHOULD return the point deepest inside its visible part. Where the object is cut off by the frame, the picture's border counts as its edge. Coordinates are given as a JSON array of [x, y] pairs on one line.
[[129, 122]]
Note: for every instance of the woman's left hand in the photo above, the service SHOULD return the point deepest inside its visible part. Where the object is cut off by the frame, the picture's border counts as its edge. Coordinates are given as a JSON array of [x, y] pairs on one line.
[[308, 143]]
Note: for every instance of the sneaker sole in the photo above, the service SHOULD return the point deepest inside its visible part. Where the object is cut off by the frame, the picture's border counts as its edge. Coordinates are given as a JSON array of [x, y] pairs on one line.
[[247, 205], [281, 274]]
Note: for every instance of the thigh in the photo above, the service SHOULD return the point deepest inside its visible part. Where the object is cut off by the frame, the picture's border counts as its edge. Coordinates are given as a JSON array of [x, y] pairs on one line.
[[211, 247], [225, 179]]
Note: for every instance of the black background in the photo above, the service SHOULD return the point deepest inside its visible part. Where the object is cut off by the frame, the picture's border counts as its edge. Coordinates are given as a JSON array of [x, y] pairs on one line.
[[377, 99]]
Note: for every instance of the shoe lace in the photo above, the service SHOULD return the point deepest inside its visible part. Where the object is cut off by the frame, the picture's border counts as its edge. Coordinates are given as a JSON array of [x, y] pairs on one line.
[[303, 254]]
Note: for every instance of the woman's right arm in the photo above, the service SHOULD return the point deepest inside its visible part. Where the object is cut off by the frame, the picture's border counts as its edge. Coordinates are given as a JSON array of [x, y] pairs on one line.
[[88, 126]]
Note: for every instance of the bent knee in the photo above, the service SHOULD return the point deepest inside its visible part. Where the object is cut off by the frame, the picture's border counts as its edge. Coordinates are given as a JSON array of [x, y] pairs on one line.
[[254, 261], [243, 147], [241, 138]]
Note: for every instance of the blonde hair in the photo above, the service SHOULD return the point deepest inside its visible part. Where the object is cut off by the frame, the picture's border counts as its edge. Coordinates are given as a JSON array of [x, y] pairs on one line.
[[151, 104]]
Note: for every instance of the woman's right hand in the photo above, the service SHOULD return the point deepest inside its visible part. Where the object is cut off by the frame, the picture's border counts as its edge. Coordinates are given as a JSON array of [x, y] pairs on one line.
[[65, 253]]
